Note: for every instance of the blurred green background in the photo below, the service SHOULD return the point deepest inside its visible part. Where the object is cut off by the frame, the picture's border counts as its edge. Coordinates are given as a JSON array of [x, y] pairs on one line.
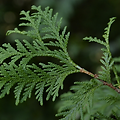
[[83, 18]]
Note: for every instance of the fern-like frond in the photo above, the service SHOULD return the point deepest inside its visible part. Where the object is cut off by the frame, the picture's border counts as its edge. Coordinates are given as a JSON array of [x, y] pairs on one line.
[[107, 57], [22, 78], [48, 40], [107, 66], [58, 74], [95, 40], [16, 69], [107, 30], [78, 101]]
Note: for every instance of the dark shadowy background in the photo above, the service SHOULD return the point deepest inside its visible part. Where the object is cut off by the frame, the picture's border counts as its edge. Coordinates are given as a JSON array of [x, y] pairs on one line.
[[83, 18]]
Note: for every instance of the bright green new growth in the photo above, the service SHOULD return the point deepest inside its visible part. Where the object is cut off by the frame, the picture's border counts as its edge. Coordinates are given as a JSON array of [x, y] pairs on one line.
[[48, 40]]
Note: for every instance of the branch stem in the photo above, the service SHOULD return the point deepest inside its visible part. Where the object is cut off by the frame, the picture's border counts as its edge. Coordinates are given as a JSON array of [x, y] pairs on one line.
[[97, 77]]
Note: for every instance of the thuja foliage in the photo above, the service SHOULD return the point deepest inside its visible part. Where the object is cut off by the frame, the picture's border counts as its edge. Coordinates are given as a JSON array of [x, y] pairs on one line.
[[48, 40]]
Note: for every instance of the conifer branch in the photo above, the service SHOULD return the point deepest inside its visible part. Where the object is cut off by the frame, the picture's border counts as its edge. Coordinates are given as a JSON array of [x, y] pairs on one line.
[[24, 76], [107, 60]]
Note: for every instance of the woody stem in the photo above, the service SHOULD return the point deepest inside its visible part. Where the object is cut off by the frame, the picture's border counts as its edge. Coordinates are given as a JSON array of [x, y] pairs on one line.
[[97, 77]]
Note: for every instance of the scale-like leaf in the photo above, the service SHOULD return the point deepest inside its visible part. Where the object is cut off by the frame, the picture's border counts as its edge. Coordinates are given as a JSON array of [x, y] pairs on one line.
[[18, 71]]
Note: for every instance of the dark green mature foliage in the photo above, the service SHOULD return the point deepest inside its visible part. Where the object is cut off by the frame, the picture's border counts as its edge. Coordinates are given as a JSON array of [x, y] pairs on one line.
[[49, 40], [28, 76]]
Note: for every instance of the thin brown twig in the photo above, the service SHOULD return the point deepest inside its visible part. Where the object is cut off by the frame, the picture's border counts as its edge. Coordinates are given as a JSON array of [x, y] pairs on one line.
[[97, 77]]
